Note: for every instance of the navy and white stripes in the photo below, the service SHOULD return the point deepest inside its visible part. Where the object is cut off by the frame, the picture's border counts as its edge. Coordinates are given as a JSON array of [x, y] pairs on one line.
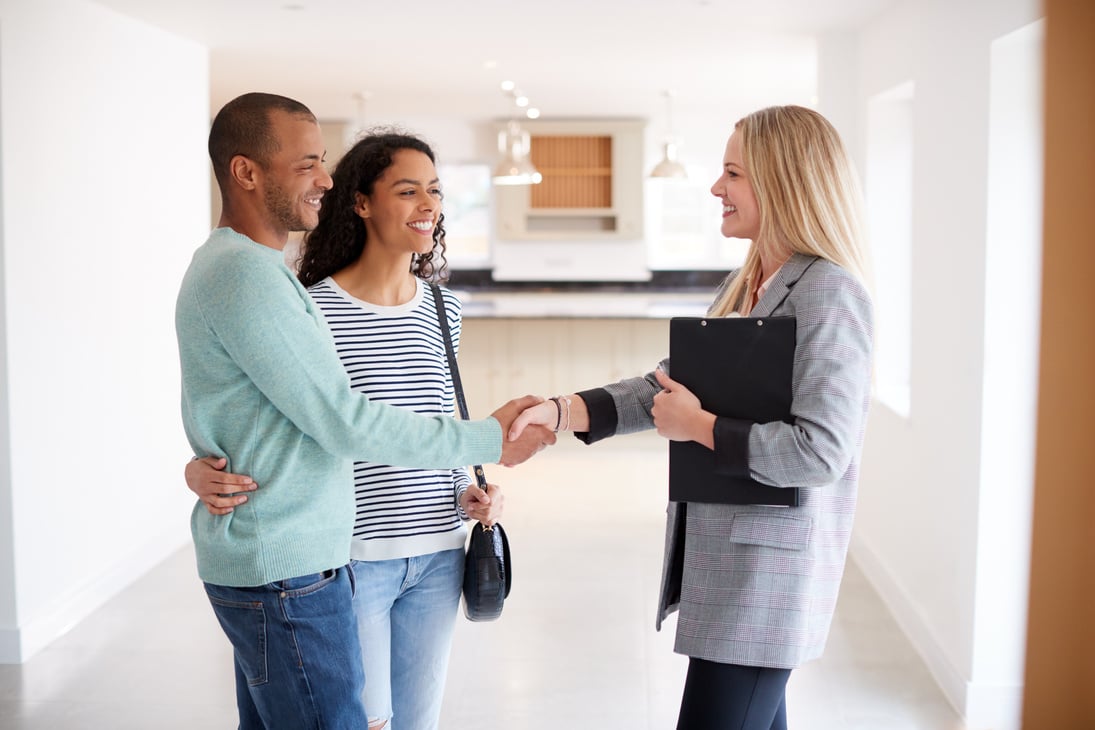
[[396, 355]]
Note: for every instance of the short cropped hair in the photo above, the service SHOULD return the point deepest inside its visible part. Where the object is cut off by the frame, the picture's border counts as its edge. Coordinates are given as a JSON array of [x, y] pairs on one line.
[[242, 127]]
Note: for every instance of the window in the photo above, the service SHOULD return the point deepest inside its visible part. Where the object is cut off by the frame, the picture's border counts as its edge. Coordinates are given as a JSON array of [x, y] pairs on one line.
[[467, 214], [889, 212]]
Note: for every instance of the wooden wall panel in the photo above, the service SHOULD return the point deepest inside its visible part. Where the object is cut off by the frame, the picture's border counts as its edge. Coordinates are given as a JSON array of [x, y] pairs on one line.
[[1059, 691], [577, 171]]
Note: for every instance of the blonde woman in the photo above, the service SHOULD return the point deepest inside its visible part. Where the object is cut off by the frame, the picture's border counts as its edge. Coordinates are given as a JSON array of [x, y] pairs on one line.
[[759, 584]]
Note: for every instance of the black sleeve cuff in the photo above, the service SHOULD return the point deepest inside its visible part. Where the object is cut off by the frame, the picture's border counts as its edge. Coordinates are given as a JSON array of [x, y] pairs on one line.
[[732, 446], [602, 415]]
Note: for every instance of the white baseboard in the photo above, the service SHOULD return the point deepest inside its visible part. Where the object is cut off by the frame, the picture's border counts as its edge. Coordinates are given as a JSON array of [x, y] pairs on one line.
[[994, 707], [982, 706], [20, 644]]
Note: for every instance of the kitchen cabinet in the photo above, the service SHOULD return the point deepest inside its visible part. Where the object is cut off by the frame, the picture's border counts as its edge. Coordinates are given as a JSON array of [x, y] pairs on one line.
[[592, 186]]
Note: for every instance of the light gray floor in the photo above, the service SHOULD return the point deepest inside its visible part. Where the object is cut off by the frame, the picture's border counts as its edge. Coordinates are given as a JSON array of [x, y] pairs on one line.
[[575, 647]]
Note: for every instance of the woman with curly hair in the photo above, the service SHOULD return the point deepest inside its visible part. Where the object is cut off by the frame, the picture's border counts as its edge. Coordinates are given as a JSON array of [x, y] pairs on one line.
[[380, 240]]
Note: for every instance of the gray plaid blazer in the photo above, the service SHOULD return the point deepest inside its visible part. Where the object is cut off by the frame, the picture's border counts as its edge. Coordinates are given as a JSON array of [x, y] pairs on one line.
[[760, 583]]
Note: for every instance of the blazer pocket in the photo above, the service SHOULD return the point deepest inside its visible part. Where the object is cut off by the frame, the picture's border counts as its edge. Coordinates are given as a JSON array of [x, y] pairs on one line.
[[775, 531]]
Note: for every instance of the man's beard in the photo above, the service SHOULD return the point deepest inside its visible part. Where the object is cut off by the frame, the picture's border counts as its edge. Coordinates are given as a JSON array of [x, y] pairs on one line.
[[284, 211]]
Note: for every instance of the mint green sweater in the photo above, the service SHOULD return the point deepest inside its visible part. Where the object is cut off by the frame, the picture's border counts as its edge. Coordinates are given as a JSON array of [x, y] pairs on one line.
[[263, 386]]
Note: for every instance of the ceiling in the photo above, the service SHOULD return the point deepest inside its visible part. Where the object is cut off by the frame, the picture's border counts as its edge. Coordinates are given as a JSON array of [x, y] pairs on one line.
[[572, 58]]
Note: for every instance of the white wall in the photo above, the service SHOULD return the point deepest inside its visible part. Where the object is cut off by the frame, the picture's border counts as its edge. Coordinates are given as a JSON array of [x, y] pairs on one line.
[[7, 547], [927, 504], [1013, 265], [105, 196]]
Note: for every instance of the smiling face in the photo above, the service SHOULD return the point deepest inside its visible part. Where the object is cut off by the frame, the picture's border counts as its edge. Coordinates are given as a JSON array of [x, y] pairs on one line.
[[402, 211], [294, 178], [740, 213]]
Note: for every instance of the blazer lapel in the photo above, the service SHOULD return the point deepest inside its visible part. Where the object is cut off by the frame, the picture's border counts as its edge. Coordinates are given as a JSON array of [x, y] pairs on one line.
[[787, 277]]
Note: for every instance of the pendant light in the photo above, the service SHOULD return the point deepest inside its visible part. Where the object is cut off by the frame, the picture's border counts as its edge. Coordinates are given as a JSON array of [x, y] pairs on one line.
[[669, 167], [515, 167], [361, 98]]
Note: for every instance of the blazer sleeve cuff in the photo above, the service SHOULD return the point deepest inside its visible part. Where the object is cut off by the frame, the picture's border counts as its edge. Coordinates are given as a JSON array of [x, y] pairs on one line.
[[602, 415], [732, 446]]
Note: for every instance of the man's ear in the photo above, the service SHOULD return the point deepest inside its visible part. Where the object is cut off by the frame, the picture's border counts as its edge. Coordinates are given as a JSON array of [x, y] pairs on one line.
[[244, 172], [361, 205]]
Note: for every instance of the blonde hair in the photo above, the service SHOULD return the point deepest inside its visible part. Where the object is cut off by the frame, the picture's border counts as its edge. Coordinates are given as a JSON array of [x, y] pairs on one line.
[[807, 192]]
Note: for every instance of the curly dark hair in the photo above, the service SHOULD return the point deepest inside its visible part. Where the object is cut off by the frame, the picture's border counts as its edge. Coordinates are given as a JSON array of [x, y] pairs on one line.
[[339, 238]]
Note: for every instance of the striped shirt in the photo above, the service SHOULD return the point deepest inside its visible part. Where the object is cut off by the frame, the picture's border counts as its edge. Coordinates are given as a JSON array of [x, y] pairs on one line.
[[397, 355]]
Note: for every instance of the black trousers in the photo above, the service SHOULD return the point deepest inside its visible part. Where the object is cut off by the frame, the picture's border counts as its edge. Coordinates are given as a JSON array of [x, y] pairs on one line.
[[732, 697]]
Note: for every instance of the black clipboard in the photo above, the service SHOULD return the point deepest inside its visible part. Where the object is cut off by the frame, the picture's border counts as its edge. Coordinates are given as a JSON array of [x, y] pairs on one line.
[[739, 367]]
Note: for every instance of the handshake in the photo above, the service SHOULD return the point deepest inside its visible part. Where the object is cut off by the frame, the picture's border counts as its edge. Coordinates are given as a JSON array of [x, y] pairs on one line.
[[531, 423]]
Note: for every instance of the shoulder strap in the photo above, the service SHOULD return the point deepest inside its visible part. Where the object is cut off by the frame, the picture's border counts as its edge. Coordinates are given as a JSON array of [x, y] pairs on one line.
[[454, 371]]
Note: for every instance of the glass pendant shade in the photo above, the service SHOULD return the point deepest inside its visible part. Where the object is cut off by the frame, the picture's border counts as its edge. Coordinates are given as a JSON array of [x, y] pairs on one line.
[[669, 167], [515, 167]]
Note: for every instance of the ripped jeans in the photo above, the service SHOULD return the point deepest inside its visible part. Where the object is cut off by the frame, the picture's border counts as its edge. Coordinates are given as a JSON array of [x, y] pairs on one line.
[[406, 611]]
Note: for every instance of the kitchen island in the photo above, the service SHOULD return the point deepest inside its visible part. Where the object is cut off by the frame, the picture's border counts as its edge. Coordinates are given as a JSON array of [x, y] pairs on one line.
[[547, 338], [582, 305]]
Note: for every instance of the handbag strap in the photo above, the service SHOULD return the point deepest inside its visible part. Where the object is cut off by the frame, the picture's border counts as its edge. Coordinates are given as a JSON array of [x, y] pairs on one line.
[[454, 372]]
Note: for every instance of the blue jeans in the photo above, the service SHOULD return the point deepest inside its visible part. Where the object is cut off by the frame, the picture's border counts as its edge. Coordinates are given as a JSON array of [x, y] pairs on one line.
[[298, 661], [406, 611]]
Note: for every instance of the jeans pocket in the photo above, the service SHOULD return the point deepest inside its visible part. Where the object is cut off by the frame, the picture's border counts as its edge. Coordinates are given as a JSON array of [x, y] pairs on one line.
[[305, 584], [244, 622]]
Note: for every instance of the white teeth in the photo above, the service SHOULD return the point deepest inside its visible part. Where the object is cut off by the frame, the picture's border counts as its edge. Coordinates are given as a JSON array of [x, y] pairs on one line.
[[422, 225], [729, 209]]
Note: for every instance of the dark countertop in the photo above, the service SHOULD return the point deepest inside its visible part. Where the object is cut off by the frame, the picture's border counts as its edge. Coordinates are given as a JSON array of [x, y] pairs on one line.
[[667, 294], [480, 280]]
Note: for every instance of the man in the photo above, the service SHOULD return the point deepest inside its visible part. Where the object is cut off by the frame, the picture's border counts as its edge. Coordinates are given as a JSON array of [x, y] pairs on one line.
[[263, 387]]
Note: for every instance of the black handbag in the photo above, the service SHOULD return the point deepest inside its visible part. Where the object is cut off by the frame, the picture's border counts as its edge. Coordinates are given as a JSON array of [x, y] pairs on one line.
[[487, 568]]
